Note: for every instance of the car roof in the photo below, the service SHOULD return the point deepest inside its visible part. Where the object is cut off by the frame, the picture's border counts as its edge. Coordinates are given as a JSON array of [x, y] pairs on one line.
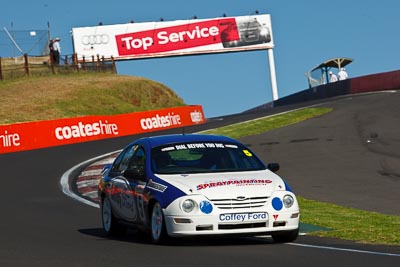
[[178, 138]]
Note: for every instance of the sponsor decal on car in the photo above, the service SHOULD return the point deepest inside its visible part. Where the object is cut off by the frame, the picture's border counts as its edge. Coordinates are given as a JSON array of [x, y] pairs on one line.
[[197, 145], [236, 182], [156, 186], [243, 217]]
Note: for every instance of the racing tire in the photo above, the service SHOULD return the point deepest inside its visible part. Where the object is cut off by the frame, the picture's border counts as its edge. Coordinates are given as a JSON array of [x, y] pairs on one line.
[[286, 236], [158, 230], [110, 224]]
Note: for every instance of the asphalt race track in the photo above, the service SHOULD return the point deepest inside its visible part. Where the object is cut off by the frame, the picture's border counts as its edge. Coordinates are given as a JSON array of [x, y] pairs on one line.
[[350, 157]]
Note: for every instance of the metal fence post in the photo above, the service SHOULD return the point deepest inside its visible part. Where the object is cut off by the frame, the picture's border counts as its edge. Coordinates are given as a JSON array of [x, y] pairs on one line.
[[83, 63], [1, 71], [26, 64], [51, 63], [114, 68], [75, 62], [98, 63]]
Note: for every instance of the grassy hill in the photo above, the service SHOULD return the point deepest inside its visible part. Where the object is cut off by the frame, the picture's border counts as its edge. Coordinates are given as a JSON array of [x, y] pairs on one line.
[[72, 95]]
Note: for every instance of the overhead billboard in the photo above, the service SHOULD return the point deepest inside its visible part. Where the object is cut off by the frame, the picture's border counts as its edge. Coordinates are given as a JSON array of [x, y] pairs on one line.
[[174, 38]]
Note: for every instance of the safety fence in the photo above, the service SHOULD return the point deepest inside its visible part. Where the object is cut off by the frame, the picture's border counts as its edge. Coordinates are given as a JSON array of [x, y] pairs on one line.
[[16, 67]]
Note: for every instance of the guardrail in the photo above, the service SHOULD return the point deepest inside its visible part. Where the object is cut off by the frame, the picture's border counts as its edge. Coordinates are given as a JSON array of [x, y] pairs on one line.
[[25, 65]]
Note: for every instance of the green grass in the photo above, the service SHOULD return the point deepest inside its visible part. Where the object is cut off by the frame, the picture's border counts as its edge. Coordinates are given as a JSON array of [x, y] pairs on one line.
[[262, 125], [73, 95], [351, 224], [342, 222]]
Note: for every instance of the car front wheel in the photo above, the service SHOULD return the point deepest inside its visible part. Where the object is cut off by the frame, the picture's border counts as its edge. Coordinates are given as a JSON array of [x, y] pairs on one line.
[[158, 229], [110, 223]]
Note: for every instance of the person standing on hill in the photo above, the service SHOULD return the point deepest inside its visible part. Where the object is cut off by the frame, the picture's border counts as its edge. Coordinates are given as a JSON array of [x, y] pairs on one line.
[[333, 78], [56, 51], [342, 74]]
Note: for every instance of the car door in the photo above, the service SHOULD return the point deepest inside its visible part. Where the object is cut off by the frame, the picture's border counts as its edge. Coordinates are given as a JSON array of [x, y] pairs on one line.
[[119, 189], [136, 178]]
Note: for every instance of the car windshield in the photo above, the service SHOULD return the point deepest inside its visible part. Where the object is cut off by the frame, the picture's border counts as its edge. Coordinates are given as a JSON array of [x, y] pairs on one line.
[[203, 157]]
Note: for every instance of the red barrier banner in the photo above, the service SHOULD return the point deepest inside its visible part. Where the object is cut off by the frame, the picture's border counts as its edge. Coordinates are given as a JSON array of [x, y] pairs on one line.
[[41, 134]]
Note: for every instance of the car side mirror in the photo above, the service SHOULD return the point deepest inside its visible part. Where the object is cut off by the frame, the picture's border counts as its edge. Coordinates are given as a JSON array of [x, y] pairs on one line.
[[274, 167], [106, 168]]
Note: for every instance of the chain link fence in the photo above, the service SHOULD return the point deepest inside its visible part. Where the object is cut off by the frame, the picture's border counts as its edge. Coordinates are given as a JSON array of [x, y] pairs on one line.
[[27, 53], [17, 43]]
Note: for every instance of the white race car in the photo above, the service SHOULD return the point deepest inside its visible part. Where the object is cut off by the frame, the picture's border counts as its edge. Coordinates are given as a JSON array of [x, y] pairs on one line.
[[196, 185]]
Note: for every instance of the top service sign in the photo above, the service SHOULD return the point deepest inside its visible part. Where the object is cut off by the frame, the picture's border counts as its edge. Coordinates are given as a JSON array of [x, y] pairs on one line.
[[173, 38]]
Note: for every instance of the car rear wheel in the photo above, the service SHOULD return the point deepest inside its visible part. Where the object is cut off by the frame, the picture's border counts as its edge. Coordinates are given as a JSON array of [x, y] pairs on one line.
[[286, 236], [110, 223], [158, 229]]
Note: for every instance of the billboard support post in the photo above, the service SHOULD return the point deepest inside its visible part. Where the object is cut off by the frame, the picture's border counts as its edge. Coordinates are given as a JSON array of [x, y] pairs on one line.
[[272, 74]]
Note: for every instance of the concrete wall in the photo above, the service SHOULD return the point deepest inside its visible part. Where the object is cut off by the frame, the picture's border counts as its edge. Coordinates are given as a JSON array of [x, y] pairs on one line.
[[376, 82], [363, 84]]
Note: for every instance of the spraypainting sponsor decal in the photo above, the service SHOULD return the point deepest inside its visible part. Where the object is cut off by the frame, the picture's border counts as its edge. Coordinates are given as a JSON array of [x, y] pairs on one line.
[[236, 182]]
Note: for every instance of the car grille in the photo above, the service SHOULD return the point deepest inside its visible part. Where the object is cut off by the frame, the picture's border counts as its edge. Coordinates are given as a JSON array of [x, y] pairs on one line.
[[241, 226], [238, 203]]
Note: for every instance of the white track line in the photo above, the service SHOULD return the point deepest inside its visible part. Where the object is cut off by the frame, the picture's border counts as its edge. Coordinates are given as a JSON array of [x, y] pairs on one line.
[[344, 249], [64, 182]]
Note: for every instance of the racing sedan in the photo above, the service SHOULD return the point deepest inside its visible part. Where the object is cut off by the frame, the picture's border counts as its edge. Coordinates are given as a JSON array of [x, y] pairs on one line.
[[196, 185]]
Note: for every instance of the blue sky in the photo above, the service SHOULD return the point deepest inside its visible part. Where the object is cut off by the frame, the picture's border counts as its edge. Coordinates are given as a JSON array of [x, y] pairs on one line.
[[305, 34]]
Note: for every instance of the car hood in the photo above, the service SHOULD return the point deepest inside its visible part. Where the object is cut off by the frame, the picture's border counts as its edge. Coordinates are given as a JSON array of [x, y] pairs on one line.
[[227, 184]]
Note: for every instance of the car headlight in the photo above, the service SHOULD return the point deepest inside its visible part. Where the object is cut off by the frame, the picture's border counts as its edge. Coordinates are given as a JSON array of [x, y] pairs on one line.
[[188, 205], [288, 201]]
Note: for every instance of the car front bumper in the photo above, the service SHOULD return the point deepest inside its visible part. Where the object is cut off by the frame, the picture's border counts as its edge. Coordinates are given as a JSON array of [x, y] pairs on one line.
[[247, 223]]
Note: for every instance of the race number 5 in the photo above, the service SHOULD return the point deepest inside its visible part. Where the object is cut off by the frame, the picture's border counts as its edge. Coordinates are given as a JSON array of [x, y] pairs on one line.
[[247, 153]]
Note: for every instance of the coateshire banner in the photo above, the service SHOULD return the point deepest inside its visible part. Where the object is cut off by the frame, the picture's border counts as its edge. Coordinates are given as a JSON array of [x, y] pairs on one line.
[[34, 135], [173, 38]]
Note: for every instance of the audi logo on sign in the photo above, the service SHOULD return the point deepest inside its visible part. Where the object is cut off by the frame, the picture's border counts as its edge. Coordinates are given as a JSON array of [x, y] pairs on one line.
[[95, 39]]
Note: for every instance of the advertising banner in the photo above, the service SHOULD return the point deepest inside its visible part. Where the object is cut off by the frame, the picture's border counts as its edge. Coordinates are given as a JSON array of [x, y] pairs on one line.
[[173, 38], [34, 135]]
